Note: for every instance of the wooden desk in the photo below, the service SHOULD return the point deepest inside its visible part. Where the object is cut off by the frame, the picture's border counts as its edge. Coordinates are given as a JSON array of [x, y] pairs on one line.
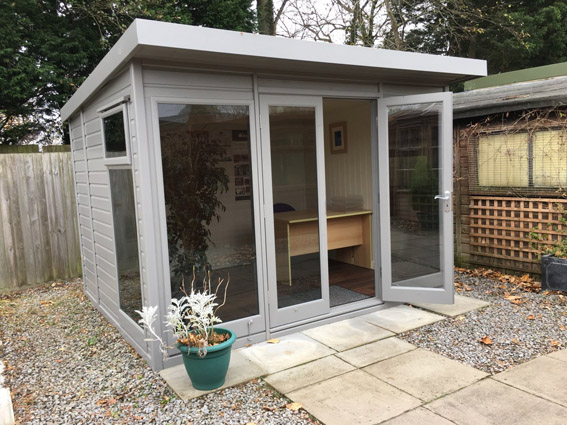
[[297, 233]]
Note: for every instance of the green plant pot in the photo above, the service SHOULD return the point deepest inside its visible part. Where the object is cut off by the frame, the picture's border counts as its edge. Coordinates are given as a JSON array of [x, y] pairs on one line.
[[208, 372]]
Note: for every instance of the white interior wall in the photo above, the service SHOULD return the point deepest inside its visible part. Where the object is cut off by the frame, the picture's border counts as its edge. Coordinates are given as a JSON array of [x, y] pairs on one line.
[[350, 173]]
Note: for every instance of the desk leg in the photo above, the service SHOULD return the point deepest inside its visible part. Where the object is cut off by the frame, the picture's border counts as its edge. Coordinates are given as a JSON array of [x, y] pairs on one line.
[[283, 259], [363, 253]]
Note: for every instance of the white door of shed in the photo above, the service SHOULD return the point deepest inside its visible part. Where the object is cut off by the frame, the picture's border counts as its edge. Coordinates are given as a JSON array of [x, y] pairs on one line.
[[415, 179]]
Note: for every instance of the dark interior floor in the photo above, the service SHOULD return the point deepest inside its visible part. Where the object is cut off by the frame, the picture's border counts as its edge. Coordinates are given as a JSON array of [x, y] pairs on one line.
[[347, 283]]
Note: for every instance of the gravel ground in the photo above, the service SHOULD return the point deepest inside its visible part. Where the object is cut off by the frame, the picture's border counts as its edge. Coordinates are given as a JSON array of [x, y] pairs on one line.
[[521, 323], [66, 365]]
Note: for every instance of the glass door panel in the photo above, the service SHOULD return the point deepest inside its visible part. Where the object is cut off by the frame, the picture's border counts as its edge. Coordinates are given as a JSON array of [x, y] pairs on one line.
[[291, 130], [207, 183], [415, 179], [294, 194]]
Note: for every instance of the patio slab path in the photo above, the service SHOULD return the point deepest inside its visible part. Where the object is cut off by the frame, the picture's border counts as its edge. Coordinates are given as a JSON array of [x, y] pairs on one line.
[[241, 369], [424, 374], [462, 305], [401, 318], [381, 379], [538, 376], [348, 333], [490, 402]]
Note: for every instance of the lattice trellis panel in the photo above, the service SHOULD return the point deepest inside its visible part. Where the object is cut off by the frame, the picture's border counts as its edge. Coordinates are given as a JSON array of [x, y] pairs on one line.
[[501, 226]]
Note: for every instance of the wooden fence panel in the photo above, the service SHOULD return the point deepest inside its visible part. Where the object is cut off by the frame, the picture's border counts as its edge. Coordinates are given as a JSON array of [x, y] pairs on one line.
[[39, 237], [500, 229]]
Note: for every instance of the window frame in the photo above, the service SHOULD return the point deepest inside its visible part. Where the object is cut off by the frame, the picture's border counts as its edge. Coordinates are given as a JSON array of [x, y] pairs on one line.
[[117, 160], [114, 241], [532, 188]]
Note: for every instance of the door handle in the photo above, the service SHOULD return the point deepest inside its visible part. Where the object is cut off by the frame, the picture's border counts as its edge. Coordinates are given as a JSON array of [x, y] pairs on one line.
[[446, 201]]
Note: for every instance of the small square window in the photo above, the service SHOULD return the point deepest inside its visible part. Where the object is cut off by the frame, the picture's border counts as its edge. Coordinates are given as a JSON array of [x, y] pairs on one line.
[[115, 136]]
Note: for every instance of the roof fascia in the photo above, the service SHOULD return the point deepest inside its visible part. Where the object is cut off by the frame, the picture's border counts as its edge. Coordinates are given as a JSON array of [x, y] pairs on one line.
[[161, 34], [144, 33]]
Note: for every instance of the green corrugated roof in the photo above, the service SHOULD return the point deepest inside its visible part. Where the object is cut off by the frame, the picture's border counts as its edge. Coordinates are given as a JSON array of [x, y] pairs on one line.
[[530, 74]]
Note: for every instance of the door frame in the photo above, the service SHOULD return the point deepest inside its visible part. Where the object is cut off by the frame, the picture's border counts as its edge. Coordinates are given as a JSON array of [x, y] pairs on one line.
[[409, 293], [279, 317]]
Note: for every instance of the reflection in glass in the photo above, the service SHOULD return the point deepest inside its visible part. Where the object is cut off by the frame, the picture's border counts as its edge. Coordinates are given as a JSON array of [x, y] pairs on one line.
[[114, 135], [126, 241], [294, 190], [207, 184], [414, 147]]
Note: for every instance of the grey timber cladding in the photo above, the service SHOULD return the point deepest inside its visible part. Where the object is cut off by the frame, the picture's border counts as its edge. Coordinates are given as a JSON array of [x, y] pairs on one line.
[[95, 207], [79, 158]]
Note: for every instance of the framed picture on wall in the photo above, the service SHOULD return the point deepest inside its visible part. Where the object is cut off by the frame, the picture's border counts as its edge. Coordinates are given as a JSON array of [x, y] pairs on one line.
[[338, 137]]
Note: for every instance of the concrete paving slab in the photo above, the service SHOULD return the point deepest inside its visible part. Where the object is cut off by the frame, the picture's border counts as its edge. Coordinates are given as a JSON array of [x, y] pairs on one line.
[[462, 305], [348, 333], [291, 350], [419, 416], [355, 398], [490, 402], [401, 318], [544, 377], [376, 351], [308, 374], [559, 355], [424, 374], [241, 369]]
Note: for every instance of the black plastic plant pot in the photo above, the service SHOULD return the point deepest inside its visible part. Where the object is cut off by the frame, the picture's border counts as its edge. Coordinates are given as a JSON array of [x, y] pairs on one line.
[[553, 273]]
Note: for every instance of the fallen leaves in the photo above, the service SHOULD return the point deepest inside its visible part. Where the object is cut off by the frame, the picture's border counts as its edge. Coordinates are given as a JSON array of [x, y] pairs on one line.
[[106, 402], [273, 341], [525, 282], [291, 406], [514, 299], [486, 340], [294, 406]]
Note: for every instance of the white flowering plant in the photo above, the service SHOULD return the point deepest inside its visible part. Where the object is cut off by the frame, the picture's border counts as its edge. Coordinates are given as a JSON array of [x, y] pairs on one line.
[[190, 318]]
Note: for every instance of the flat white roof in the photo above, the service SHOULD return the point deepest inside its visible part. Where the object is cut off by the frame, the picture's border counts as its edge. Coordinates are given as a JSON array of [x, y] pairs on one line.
[[227, 50]]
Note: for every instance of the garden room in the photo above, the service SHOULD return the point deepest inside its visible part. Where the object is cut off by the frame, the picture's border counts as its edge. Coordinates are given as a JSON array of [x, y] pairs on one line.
[[314, 179]]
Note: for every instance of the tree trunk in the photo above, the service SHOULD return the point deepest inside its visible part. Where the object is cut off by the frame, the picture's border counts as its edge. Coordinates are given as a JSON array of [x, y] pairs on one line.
[[394, 24], [265, 12]]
